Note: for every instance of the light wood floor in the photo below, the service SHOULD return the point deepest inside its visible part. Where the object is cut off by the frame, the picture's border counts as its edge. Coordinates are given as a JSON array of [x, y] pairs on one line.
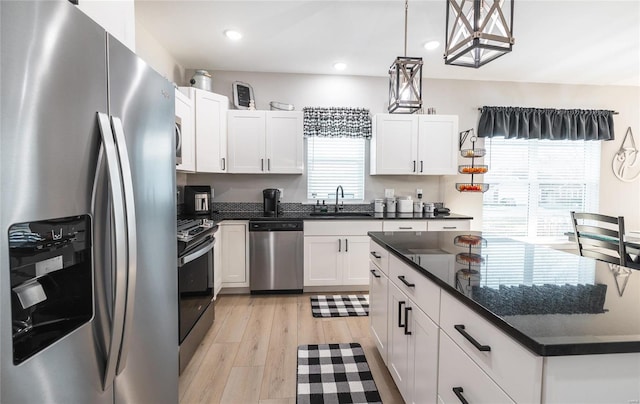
[[249, 355]]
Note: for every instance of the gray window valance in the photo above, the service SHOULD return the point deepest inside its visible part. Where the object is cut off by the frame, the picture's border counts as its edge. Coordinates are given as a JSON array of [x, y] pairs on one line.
[[337, 122], [545, 123]]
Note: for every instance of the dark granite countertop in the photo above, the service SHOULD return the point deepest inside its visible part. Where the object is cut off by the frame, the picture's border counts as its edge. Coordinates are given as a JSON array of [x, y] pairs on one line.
[[257, 215], [553, 302]]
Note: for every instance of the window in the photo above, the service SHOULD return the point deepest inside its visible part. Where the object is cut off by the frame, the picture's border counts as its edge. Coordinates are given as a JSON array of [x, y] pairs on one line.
[[333, 161], [533, 184]]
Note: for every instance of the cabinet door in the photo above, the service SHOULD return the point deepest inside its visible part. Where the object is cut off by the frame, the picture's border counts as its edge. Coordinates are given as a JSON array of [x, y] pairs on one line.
[[398, 343], [356, 260], [394, 144], [437, 144], [185, 120], [246, 137], [323, 256], [422, 382], [378, 310], [234, 254], [284, 142], [211, 131]]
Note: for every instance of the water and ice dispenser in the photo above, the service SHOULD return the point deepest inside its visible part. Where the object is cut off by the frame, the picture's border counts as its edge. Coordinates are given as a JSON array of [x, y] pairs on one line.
[[51, 281]]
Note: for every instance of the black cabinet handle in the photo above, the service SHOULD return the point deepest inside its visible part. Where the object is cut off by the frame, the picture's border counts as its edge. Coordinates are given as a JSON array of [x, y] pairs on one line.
[[400, 304], [224, 164], [421, 166], [268, 164], [346, 245], [339, 245], [376, 255], [373, 271], [405, 227], [411, 285], [461, 329], [458, 392], [406, 320], [261, 164], [414, 166]]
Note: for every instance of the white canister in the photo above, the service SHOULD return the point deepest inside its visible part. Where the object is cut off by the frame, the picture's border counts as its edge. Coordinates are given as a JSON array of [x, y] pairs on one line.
[[405, 205], [428, 207], [417, 207], [391, 205], [378, 205]]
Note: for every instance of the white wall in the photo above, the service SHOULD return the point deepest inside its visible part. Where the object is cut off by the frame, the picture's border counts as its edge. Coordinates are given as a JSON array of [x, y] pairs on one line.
[[459, 97], [152, 52]]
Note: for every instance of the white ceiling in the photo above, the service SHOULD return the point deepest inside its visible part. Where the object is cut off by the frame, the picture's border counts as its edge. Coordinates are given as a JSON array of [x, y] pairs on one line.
[[571, 41]]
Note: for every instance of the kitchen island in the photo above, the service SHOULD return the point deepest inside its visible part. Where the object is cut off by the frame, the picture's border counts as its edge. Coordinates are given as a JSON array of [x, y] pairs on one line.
[[467, 316]]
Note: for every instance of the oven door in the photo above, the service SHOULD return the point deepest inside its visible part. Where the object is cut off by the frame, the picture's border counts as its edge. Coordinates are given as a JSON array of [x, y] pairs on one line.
[[195, 283]]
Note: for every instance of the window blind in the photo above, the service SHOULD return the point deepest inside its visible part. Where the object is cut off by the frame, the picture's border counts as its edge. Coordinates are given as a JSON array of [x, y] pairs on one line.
[[534, 184], [333, 161]]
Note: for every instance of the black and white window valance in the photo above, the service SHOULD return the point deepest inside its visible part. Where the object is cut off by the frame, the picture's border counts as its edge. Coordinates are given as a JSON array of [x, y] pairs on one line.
[[546, 123], [337, 122]]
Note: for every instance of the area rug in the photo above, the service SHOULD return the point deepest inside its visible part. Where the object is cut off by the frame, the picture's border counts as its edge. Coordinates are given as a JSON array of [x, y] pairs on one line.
[[339, 305], [334, 374]]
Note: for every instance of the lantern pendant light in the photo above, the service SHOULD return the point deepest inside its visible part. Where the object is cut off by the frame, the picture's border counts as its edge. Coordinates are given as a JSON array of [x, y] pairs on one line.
[[405, 79], [477, 31]]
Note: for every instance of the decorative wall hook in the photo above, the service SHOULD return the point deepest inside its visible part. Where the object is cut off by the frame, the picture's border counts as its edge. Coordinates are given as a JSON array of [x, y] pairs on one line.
[[626, 161]]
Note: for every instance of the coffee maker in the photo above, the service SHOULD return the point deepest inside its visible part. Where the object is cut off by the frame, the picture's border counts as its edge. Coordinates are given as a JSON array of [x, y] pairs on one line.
[[197, 199], [271, 202]]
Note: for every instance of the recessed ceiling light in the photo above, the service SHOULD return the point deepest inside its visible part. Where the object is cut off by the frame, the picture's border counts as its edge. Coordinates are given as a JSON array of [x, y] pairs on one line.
[[233, 35], [431, 45], [339, 66]]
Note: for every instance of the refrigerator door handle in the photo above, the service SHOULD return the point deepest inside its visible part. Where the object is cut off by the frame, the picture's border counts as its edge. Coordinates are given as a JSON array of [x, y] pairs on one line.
[[127, 182], [120, 248]]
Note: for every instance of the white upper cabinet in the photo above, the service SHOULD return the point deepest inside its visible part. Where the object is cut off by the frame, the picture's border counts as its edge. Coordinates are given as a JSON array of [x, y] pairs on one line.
[[187, 138], [265, 142], [438, 144], [414, 144], [210, 130]]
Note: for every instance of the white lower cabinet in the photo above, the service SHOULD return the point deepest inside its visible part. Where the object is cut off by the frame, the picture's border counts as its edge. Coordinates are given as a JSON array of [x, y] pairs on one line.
[[234, 254], [378, 309], [461, 379], [336, 253], [217, 266], [412, 349]]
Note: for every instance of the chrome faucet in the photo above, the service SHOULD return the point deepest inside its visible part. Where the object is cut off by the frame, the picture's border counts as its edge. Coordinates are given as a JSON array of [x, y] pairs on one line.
[[342, 192]]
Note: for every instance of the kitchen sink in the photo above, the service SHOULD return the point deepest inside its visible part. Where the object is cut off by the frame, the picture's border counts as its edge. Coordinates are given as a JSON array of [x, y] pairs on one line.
[[341, 214]]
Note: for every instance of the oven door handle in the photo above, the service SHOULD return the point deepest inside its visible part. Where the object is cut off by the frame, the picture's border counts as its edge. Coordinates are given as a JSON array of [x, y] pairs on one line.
[[197, 253]]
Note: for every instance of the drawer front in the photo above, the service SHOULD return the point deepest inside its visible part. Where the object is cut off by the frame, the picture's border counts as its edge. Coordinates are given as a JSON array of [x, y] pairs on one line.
[[504, 356], [416, 286], [457, 371], [448, 225], [379, 256], [404, 225], [328, 227]]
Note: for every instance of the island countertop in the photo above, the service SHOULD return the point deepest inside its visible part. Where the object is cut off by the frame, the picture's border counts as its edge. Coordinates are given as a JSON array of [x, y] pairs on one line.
[[553, 302]]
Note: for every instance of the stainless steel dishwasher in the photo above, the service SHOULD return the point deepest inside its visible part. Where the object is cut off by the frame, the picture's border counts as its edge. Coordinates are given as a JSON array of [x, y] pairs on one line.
[[276, 256]]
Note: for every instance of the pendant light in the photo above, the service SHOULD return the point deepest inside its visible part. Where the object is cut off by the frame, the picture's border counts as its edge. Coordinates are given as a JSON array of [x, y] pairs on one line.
[[477, 31], [405, 79]]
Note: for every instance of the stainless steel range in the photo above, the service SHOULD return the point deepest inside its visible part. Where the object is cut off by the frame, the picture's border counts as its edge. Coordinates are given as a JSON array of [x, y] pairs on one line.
[[195, 283]]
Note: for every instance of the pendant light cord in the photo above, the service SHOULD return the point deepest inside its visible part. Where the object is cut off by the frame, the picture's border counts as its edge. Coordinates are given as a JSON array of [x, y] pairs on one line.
[[406, 11]]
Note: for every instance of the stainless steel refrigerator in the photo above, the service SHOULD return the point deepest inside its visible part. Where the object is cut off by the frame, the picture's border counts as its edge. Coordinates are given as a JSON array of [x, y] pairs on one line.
[[88, 280]]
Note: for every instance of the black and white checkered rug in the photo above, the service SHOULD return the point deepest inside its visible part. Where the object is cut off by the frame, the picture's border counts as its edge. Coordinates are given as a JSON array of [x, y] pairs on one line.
[[340, 305], [334, 374]]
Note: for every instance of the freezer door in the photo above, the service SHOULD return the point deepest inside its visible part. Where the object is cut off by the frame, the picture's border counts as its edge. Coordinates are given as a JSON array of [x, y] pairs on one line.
[[53, 75], [141, 105]]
